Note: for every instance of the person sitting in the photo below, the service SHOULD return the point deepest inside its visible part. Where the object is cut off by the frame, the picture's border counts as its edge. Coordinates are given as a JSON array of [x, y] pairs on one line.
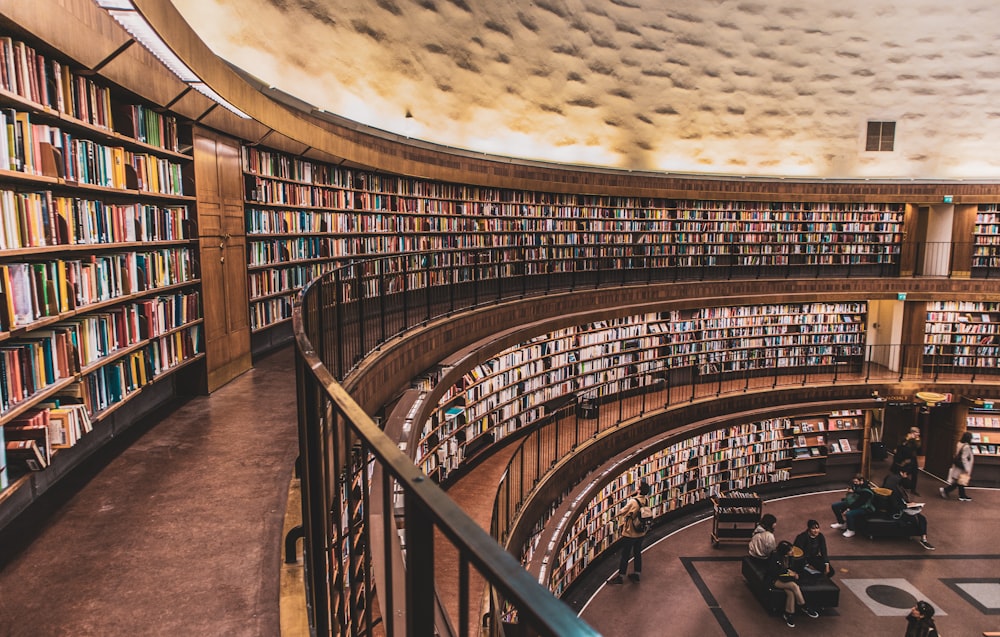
[[781, 576], [762, 541], [907, 512], [813, 546], [858, 503]]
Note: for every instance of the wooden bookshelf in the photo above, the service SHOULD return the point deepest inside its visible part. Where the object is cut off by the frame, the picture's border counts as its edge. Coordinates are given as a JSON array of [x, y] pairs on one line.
[[524, 383], [98, 271], [690, 471], [986, 240], [982, 420], [743, 234], [962, 334]]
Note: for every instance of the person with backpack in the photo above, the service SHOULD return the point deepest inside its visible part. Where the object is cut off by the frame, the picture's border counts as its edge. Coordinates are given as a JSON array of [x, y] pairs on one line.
[[637, 517], [961, 469]]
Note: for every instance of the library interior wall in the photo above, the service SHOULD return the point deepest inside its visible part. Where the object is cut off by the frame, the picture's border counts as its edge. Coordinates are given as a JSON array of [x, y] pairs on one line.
[[86, 35]]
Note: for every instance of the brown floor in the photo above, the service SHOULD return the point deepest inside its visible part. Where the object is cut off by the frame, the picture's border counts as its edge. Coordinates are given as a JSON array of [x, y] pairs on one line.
[[180, 534], [690, 588]]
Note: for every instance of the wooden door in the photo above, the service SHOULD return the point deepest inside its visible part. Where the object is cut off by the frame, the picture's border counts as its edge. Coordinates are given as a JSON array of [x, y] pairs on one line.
[[222, 244]]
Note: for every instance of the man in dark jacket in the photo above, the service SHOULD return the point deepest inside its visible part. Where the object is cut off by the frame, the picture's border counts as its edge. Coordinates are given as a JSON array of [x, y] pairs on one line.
[[905, 458], [920, 621], [857, 503], [813, 546]]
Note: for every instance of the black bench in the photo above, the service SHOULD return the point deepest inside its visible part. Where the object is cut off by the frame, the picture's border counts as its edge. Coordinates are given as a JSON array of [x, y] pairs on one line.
[[819, 591], [884, 524]]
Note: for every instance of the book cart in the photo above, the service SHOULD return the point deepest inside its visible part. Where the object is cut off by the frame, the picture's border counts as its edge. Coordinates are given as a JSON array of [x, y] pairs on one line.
[[734, 516]]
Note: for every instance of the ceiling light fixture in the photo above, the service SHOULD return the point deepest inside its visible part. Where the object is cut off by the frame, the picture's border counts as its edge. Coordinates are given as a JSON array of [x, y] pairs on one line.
[[125, 13]]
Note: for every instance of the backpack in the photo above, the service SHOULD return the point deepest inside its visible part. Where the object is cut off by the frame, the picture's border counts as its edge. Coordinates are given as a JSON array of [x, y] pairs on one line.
[[643, 520]]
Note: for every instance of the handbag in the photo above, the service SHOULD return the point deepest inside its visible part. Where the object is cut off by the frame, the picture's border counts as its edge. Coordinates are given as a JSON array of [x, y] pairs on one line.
[[957, 460]]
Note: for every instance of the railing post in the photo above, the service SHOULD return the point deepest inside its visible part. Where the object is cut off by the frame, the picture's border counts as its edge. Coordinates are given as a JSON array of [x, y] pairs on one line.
[[429, 287], [359, 294], [338, 291], [475, 279], [420, 586], [382, 296]]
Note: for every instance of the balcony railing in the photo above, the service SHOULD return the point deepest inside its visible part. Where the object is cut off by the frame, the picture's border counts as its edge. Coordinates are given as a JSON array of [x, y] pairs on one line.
[[357, 582]]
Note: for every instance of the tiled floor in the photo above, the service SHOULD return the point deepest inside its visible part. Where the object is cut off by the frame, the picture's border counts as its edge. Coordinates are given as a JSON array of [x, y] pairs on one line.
[[690, 588]]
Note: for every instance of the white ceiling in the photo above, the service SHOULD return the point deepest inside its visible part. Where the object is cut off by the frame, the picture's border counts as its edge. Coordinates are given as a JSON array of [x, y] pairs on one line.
[[746, 87]]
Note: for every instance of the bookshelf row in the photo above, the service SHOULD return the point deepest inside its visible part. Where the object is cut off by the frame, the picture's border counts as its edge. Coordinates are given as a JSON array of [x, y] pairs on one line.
[[302, 213], [518, 386], [100, 295], [984, 425], [986, 248], [39, 219], [48, 377], [738, 458], [35, 291], [962, 334]]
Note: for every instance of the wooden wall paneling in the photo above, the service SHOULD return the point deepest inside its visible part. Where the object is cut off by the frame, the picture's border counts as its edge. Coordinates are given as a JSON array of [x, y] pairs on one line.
[[962, 239], [222, 241], [914, 320], [908, 251]]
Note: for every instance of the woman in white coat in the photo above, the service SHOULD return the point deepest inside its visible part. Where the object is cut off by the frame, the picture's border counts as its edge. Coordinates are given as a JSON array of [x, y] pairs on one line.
[[961, 469]]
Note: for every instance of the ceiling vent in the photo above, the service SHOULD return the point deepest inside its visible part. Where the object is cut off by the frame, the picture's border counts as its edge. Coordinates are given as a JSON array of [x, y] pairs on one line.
[[881, 136]]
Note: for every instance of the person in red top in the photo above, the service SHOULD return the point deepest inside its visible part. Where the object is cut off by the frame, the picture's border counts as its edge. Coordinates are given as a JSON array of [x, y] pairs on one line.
[[631, 538]]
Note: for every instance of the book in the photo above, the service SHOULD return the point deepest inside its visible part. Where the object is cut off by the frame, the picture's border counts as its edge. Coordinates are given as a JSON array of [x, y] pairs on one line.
[[27, 454], [834, 447], [845, 445], [4, 479]]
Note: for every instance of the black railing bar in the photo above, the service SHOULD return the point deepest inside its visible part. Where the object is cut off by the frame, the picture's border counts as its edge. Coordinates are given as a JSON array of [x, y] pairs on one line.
[[500, 568]]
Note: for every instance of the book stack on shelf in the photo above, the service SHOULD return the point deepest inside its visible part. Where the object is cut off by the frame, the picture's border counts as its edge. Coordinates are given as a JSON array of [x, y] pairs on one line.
[[962, 334], [782, 234], [719, 465], [685, 473], [986, 237], [984, 425], [98, 278], [734, 516], [606, 358]]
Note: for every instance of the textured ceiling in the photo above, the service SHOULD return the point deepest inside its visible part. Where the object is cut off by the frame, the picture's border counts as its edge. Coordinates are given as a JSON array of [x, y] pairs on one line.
[[740, 87]]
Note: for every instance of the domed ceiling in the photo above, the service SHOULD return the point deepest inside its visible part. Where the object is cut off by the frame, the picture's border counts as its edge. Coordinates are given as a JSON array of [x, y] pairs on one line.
[[743, 87]]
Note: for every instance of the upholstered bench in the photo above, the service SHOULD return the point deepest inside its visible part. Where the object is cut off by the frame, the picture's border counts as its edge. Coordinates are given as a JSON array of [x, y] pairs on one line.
[[819, 591], [880, 524]]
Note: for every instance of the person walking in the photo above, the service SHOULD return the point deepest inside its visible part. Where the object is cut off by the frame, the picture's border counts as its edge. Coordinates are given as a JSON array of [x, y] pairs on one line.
[[813, 546], [905, 458], [762, 541], [632, 536], [783, 577], [961, 469], [920, 621]]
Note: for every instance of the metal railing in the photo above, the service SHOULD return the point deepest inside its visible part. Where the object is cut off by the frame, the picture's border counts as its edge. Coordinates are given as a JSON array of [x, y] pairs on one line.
[[346, 461]]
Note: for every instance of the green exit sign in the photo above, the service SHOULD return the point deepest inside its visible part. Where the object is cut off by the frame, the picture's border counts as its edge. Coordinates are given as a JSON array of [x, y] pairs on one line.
[[900, 296], [947, 198]]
